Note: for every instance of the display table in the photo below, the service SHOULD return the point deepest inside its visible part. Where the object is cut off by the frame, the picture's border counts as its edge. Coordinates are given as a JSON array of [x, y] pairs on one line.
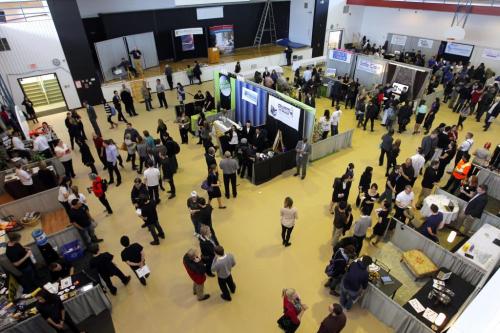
[[462, 290], [388, 289], [81, 307], [442, 202], [484, 252], [492, 179], [264, 170], [16, 189]]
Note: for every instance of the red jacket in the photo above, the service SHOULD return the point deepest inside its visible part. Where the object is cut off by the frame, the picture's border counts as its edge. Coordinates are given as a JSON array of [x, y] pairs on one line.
[[195, 270], [97, 187], [290, 311]]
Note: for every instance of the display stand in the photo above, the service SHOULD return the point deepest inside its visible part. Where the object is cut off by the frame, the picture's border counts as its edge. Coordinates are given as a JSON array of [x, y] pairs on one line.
[[213, 55], [278, 143]]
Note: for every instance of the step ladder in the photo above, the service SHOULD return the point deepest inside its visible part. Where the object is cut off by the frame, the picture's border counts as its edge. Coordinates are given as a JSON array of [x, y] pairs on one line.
[[266, 23]]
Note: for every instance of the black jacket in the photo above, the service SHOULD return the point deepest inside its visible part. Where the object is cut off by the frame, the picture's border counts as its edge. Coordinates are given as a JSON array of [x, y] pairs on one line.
[[137, 192], [126, 97], [365, 181], [207, 248], [475, 206], [338, 189]]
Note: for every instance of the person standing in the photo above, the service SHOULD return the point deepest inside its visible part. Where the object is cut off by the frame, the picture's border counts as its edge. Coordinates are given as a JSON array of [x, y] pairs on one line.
[[302, 149], [492, 114], [229, 167], [197, 71], [335, 321], [136, 58], [420, 115], [194, 205], [288, 217], [196, 271], [184, 125], [354, 282], [386, 146], [288, 55], [237, 68], [208, 242], [446, 157], [92, 117], [152, 178], [432, 224], [371, 114], [63, 153], [168, 174], [168, 75], [465, 147], [335, 120], [473, 210], [364, 183], [160, 92], [104, 265], [30, 110], [87, 158], [99, 190], [293, 310], [222, 266], [214, 186], [42, 146], [133, 255], [404, 202], [128, 101], [118, 106], [341, 189], [150, 217], [51, 309], [110, 112], [112, 154], [80, 218], [382, 224], [459, 174], [204, 217], [339, 221], [20, 257], [431, 178], [360, 228], [146, 95], [417, 162]]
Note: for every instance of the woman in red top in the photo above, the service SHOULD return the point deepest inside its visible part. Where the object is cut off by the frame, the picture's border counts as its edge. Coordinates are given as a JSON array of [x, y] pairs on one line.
[[474, 99], [196, 271], [99, 146], [99, 191], [293, 310]]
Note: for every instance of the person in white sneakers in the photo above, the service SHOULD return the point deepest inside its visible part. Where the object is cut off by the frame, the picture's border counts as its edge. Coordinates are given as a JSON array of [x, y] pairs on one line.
[[152, 180]]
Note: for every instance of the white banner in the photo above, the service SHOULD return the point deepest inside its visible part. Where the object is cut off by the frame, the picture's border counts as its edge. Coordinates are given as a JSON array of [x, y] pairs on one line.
[[250, 96], [370, 67], [491, 54], [463, 50], [340, 56], [188, 31], [426, 43], [398, 40], [284, 112]]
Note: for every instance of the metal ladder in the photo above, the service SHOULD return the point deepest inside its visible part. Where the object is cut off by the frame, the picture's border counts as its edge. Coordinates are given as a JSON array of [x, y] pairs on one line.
[[267, 17]]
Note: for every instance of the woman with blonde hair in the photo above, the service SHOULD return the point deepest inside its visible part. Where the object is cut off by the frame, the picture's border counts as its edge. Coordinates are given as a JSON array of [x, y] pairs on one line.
[[288, 216], [293, 309]]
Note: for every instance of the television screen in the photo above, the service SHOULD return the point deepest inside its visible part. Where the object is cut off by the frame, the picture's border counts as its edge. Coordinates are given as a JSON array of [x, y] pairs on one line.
[[397, 88], [462, 50], [284, 112]]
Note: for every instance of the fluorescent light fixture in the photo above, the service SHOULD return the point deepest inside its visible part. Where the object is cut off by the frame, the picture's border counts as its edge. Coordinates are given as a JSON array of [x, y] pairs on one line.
[[451, 236], [440, 319]]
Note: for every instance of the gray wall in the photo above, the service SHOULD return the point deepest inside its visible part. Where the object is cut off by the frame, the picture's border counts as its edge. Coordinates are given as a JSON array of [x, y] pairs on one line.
[[369, 79], [412, 44]]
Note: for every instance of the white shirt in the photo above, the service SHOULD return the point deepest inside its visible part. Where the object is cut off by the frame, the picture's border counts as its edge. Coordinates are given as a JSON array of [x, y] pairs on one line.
[[41, 143], [18, 143], [336, 117], [465, 146], [62, 192], [80, 197], [24, 177], [417, 162], [152, 176], [307, 75], [63, 153], [325, 124], [234, 139], [404, 200]]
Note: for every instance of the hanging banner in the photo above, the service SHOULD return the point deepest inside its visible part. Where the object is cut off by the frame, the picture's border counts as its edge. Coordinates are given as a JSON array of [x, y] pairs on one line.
[[225, 91], [370, 67], [491, 54], [187, 42], [222, 36], [398, 40], [249, 95], [284, 112], [188, 31], [425, 43], [340, 56]]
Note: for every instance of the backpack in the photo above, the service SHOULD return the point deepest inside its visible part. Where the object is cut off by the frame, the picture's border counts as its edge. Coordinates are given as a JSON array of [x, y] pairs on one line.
[[104, 185]]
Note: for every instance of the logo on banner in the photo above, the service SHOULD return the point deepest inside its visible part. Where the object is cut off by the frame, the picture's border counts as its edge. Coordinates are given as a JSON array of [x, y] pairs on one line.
[[225, 85], [284, 112], [426, 43], [491, 54], [188, 31], [370, 67], [340, 56], [250, 96], [398, 40]]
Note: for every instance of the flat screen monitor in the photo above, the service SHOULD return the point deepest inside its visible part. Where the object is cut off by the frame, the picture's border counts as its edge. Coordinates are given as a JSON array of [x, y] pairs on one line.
[[330, 72], [397, 88]]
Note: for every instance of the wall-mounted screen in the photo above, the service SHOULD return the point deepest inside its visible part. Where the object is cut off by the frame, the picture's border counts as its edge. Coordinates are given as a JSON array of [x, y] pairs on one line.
[[463, 50], [284, 112]]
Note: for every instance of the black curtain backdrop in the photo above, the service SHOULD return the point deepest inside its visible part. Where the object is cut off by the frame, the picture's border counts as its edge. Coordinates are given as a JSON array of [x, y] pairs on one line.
[[391, 70], [419, 82], [244, 17], [290, 136], [200, 47]]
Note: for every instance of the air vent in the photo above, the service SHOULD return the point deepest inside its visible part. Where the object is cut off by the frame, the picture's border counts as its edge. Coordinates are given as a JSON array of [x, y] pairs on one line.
[[4, 44]]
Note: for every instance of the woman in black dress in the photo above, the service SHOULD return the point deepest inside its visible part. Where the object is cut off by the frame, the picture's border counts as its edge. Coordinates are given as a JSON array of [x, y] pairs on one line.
[[207, 247], [370, 197], [52, 310], [382, 223], [162, 131], [446, 156], [468, 189], [364, 183], [214, 186], [30, 110], [393, 156], [87, 158]]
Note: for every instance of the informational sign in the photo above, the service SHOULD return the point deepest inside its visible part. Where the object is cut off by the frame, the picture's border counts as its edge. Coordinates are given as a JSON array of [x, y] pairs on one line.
[[463, 50], [398, 40], [340, 55], [425, 43], [284, 112], [225, 91], [187, 42], [222, 36], [249, 95], [370, 67], [491, 54], [188, 31]]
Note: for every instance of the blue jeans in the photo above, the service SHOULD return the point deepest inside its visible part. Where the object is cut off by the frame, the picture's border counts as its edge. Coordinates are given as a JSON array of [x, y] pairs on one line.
[[347, 297]]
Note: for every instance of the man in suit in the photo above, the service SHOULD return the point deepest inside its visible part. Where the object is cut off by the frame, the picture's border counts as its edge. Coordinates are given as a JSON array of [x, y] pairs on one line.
[[474, 209], [248, 132], [260, 140], [310, 100], [92, 117], [303, 149]]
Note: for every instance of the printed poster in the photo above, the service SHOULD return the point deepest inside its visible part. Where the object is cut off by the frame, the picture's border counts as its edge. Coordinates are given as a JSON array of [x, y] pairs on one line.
[[222, 36]]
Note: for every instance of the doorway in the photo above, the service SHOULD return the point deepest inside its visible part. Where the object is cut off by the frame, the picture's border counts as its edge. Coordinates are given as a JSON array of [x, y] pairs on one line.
[[45, 93], [335, 39]]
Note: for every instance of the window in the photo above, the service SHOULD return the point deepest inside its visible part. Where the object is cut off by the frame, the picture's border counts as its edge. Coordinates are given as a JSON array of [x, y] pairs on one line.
[[23, 11]]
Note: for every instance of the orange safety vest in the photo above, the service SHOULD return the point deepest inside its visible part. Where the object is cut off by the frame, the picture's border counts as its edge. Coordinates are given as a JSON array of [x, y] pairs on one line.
[[461, 170]]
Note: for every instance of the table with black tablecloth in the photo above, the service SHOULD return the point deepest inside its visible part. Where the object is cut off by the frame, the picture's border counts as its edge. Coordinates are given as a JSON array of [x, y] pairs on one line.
[[455, 283], [17, 190], [264, 170]]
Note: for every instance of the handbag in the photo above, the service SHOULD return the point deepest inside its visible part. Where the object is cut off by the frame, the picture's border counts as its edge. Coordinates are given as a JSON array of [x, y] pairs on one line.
[[206, 186], [285, 323]]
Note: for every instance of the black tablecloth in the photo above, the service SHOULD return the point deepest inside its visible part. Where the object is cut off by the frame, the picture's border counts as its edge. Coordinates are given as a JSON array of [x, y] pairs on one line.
[[265, 170], [17, 190], [455, 283]]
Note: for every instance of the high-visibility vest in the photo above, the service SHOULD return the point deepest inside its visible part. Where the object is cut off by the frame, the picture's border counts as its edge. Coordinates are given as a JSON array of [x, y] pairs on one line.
[[461, 170]]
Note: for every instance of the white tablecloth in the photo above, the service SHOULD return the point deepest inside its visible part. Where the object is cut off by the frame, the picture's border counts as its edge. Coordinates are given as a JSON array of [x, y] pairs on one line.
[[441, 201], [485, 253]]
